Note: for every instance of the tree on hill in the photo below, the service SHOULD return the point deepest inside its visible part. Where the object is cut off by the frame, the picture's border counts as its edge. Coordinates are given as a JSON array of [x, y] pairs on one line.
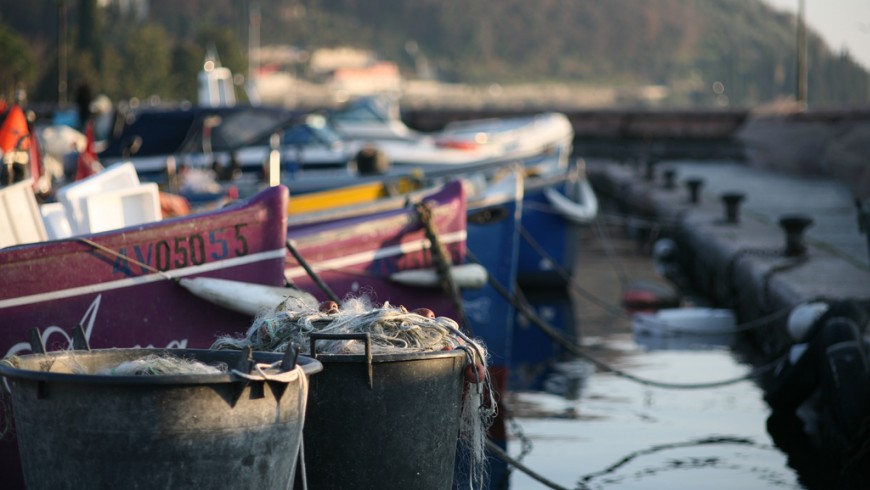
[[18, 66], [743, 48]]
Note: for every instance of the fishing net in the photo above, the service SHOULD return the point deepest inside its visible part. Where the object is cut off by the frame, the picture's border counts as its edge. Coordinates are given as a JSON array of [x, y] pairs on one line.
[[392, 330], [163, 364]]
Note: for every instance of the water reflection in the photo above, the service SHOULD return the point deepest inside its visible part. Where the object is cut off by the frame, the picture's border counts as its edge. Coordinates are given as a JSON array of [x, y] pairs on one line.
[[539, 363], [714, 461], [582, 427]]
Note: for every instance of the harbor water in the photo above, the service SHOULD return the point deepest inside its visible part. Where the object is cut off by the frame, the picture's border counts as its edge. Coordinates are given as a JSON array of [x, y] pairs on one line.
[[576, 426], [618, 434]]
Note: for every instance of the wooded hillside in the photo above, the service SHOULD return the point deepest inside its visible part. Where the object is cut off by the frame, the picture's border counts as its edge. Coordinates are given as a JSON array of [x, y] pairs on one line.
[[686, 45]]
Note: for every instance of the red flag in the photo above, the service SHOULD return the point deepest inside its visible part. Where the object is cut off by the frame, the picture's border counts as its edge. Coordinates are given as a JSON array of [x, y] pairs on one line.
[[36, 166], [88, 164], [14, 133]]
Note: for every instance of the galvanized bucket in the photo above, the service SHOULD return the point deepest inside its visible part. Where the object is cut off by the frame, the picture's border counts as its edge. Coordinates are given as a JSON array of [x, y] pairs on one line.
[[239, 429], [386, 421]]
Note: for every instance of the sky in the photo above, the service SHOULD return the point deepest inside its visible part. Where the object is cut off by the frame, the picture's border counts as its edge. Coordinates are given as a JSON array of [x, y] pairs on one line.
[[841, 23]]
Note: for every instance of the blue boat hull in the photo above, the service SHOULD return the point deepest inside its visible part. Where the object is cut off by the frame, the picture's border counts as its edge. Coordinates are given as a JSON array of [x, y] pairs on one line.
[[494, 242], [534, 352], [548, 240]]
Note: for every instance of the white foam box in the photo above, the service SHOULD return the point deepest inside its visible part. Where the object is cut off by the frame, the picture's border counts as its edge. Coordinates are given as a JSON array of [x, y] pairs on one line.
[[73, 196], [121, 208], [20, 220], [56, 223]]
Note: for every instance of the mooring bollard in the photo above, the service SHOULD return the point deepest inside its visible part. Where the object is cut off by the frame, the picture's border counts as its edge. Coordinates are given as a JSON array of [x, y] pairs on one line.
[[650, 169], [732, 202], [794, 226], [670, 176], [694, 184]]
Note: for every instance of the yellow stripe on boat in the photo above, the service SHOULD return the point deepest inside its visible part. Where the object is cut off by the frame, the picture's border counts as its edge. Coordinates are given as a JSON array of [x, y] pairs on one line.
[[347, 196]]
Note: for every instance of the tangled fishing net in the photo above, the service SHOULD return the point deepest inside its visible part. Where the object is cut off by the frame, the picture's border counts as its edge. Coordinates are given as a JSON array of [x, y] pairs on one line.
[[163, 364], [392, 330]]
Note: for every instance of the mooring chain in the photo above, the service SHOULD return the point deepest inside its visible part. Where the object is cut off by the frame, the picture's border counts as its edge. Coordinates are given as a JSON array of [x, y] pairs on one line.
[[517, 461], [442, 261]]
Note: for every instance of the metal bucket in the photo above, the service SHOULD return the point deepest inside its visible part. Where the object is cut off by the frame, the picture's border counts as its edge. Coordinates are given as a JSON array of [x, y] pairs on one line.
[[386, 421], [172, 431]]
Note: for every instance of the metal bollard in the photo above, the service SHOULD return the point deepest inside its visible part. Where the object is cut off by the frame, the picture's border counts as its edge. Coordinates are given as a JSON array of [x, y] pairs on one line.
[[694, 185], [794, 226], [732, 202], [650, 169]]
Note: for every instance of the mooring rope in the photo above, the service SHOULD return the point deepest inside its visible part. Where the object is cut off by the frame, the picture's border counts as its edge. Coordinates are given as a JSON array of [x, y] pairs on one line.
[[313, 275], [577, 350], [764, 321], [442, 263], [504, 456], [582, 483], [607, 244], [130, 259]]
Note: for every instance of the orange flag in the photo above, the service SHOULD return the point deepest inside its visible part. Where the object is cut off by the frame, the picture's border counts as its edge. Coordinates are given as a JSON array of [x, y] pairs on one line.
[[14, 134]]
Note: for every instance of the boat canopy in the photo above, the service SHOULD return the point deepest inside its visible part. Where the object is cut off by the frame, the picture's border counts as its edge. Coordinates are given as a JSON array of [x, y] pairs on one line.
[[163, 131]]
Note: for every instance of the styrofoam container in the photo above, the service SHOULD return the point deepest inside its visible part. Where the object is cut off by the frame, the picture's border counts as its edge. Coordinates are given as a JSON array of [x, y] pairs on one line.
[[20, 220], [73, 196], [685, 321], [111, 210], [56, 223]]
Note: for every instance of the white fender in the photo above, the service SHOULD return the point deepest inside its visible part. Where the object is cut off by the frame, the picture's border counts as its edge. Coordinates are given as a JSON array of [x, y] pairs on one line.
[[581, 212], [466, 276], [244, 297]]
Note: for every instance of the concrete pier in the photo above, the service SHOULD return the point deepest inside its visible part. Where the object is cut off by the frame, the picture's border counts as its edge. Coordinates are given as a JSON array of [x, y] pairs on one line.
[[728, 219]]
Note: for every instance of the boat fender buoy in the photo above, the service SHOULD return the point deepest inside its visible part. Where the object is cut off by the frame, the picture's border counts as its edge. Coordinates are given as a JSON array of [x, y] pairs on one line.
[[371, 161], [475, 373], [803, 317], [426, 312], [329, 307]]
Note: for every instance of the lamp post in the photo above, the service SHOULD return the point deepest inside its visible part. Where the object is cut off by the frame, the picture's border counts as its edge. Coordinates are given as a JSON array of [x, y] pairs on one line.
[[253, 51], [801, 93]]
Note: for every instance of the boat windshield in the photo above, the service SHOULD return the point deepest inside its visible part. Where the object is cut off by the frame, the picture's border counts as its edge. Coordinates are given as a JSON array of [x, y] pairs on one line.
[[320, 130], [366, 110]]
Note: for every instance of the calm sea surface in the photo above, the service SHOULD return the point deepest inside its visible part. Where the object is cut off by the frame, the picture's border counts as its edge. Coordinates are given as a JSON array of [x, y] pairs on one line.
[[620, 435], [580, 427]]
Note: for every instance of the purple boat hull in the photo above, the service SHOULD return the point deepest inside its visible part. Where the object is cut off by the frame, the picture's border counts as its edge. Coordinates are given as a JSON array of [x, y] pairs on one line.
[[118, 285], [356, 255]]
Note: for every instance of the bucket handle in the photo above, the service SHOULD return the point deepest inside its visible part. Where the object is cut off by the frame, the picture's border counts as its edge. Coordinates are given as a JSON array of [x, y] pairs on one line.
[[78, 340], [347, 336]]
